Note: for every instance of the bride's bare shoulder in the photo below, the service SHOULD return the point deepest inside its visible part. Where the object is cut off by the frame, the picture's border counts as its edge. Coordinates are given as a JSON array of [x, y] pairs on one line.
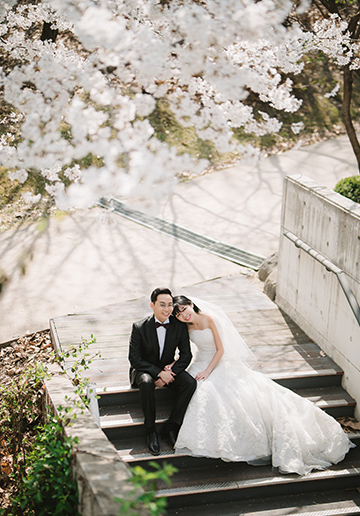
[[208, 320]]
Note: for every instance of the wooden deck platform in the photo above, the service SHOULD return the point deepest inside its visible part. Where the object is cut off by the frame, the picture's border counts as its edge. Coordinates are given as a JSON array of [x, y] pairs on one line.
[[281, 347]]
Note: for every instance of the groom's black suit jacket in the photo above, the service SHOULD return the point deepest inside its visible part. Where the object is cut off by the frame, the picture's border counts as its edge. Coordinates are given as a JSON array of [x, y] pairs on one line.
[[144, 348]]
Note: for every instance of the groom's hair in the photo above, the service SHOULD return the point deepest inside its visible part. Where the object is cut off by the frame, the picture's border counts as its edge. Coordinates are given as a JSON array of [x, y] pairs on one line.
[[155, 293]]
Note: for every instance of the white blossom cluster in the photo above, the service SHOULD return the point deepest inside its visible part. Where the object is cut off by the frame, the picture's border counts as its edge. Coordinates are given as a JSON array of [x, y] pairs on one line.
[[332, 37], [202, 58]]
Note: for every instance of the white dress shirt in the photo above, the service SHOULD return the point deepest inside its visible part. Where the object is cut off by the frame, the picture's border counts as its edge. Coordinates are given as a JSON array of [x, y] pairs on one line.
[[161, 333]]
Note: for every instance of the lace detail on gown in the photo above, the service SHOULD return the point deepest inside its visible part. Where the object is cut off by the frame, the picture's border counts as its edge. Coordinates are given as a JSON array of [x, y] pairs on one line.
[[238, 414]]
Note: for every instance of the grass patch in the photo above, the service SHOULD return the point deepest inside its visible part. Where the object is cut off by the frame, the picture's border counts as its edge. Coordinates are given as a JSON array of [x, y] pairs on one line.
[[13, 210], [320, 115], [184, 139]]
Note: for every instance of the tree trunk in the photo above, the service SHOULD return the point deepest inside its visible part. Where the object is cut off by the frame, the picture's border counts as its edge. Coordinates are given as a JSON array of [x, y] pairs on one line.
[[348, 79]]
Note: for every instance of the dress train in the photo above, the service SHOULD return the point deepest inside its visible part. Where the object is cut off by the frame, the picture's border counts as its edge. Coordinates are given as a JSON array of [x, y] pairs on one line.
[[238, 414]]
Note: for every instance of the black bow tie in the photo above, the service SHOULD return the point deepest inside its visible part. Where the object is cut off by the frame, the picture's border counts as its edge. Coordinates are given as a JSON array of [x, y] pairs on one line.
[[164, 325]]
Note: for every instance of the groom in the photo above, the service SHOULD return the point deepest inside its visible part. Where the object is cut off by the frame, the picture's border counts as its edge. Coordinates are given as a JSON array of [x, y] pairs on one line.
[[153, 343]]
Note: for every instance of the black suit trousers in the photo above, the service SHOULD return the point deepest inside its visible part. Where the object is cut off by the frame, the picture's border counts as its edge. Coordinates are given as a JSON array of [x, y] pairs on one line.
[[184, 387]]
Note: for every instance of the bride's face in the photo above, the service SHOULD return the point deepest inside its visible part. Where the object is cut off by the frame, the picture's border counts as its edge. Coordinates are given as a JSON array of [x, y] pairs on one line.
[[186, 314]]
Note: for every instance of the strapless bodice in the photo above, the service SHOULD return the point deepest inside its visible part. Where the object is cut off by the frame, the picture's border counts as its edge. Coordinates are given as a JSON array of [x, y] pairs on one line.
[[205, 344]]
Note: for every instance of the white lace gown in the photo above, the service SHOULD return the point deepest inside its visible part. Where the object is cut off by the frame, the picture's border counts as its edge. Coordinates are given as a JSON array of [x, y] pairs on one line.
[[238, 414]]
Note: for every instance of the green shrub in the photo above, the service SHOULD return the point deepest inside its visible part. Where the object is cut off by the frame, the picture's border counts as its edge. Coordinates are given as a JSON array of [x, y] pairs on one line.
[[143, 499], [21, 402], [349, 187], [48, 487], [35, 456]]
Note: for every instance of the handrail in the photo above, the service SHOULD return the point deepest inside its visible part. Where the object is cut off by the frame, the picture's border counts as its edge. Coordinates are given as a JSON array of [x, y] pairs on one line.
[[351, 299]]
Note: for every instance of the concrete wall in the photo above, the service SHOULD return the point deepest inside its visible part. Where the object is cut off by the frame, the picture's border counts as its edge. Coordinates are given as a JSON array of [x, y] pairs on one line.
[[311, 295]]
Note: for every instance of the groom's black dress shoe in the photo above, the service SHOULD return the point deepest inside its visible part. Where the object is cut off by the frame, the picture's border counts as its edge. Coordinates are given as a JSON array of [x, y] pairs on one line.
[[153, 444], [170, 438]]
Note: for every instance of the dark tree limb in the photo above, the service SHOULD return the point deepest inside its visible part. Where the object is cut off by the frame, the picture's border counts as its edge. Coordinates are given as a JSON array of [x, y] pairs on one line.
[[350, 12], [331, 6], [48, 33], [346, 104], [353, 26]]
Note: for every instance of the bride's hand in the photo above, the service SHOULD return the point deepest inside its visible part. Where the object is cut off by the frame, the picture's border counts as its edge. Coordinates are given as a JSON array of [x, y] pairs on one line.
[[202, 376]]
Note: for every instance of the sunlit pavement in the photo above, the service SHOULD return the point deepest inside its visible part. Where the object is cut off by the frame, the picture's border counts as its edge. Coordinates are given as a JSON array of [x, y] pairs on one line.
[[90, 259]]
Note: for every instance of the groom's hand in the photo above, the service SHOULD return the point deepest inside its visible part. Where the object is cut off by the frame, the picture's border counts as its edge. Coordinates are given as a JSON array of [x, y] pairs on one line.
[[167, 376]]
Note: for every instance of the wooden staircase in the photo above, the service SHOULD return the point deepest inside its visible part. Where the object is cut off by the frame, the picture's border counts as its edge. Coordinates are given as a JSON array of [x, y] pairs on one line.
[[213, 487]]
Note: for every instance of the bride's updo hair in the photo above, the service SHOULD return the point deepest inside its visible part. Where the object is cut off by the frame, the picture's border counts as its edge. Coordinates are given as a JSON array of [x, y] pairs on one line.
[[183, 301]]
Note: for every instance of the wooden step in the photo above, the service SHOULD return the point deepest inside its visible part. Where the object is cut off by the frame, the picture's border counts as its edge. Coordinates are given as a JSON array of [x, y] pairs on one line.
[[321, 378], [132, 450], [315, 379], [202, 481], [126, 429], [117, 420], [345, 502], [127, 395], [217, 481], [334, 400]]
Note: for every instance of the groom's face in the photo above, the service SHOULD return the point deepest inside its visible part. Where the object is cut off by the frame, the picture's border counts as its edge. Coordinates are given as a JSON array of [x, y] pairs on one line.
[[162, 307]]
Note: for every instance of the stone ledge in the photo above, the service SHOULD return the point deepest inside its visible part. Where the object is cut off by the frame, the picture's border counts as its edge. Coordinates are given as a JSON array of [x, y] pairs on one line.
[[101, 475]]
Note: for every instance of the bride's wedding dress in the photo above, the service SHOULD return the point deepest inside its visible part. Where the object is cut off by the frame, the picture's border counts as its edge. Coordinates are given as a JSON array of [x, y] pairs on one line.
[[238, 414]]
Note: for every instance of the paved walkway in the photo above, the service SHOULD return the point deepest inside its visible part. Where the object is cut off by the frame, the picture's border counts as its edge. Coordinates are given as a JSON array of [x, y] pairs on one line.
[[91, 259]]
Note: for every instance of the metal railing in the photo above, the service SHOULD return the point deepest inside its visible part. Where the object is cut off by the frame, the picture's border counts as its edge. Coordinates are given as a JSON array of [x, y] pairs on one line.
[[329, 266], [221, 249]]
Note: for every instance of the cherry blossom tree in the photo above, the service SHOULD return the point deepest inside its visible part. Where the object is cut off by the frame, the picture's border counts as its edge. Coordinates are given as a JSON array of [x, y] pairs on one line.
[[82, 101], [335, 26]]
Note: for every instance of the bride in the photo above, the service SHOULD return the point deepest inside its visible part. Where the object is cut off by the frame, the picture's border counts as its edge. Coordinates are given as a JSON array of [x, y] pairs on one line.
[[238, 414]]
